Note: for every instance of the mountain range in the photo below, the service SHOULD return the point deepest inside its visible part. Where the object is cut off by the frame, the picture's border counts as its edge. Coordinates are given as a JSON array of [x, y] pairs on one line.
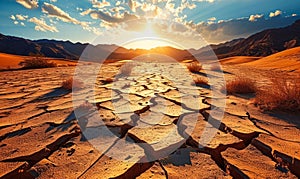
[[263, 43]]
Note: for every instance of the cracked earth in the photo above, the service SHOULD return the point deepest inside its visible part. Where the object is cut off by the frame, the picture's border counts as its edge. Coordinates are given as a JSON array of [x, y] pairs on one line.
[[153, 125]]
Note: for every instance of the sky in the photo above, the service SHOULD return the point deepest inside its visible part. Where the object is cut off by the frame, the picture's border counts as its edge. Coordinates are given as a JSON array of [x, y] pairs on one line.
[[144, 23]]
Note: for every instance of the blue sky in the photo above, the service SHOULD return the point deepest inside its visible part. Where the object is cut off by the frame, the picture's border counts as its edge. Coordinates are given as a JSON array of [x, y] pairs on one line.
[[123, 21]]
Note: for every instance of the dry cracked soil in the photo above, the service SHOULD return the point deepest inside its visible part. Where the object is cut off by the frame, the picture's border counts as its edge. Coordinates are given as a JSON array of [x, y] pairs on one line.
[[143, 126]]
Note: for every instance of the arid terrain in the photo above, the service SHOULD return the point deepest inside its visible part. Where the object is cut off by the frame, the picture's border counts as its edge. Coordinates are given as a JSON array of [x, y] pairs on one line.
[[41, 136]]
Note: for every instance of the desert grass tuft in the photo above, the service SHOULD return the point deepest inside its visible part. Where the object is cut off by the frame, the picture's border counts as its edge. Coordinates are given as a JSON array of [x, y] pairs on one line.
[[200, 81], [240, 85], [36, 63], [194, 67], [283, 95]]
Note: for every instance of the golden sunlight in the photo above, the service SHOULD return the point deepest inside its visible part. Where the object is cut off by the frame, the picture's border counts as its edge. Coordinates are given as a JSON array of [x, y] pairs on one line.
[[148, 39]]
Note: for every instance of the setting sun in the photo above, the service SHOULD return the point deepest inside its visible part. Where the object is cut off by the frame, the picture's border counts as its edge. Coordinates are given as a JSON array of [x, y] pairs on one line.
[[149, 43], [148, 39]]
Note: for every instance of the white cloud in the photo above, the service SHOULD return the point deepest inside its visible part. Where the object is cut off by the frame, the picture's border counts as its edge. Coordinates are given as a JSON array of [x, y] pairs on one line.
[[16, 22], [29, 4], [212, 19], [53, 0], [86, 12], [54, 11], [294, 15], [21, 17], [133, 5], [276, 13], [41, 25], [22, 23], [108, 18], [12, 17], [253, 18], [97, 4]]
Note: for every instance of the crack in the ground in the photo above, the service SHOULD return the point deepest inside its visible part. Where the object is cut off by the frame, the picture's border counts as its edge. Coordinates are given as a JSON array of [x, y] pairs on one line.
[[34, 158], [15, 133], [254, 121]]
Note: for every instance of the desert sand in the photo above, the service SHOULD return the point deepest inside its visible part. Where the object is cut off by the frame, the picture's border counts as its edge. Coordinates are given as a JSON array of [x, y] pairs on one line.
[[8, 61], [41, 137]]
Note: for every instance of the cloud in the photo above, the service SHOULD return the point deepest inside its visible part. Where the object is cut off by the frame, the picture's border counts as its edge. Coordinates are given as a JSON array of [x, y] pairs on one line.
[[133, 5], [253, 18], [29, 4], [97, 4], [108, 18], [41, 25], [21, 17], [54, 11], [12, 17], [86, 12], [212, 19], [16, 22], [276, 13]]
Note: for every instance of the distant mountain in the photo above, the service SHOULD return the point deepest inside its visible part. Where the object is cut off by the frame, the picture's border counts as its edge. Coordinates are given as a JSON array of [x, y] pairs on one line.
[[263, 43], [53, 48], [69, 50]]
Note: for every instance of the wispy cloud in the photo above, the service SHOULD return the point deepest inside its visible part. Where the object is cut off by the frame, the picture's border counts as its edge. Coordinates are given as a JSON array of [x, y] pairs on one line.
[[108, 18], [97, 4], [21, 17], [41, 25], [29, 4], [54, 11]]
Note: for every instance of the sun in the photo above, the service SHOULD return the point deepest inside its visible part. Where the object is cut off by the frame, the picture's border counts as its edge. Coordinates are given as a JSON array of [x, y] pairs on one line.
[[148, 39]]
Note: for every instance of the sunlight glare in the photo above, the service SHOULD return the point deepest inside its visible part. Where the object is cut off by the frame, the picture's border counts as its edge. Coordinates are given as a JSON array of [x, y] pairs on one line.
[[148, 39]]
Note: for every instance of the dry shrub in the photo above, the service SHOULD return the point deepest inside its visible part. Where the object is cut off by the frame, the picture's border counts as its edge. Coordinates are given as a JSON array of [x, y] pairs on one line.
[[283, 95], [35, 63], [200, 81], [126, 69], [70, 84], [240, 85], [194, 67]]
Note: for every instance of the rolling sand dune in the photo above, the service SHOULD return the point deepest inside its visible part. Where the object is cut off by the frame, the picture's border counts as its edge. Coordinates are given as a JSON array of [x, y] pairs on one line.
[[238, 60], [8, 61], [288, 60]]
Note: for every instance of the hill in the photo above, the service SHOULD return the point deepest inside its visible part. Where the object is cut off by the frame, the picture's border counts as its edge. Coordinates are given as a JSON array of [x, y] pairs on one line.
[[260, 44], [286, 60], [69, 50]]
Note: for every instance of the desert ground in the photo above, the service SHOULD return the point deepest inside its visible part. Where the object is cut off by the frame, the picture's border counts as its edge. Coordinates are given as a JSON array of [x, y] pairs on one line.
[[8, 61], [42, 136]]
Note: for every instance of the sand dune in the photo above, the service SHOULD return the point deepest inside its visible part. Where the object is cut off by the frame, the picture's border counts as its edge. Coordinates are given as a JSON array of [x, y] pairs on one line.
[[9, 61], [288, 60], [238, 60]]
